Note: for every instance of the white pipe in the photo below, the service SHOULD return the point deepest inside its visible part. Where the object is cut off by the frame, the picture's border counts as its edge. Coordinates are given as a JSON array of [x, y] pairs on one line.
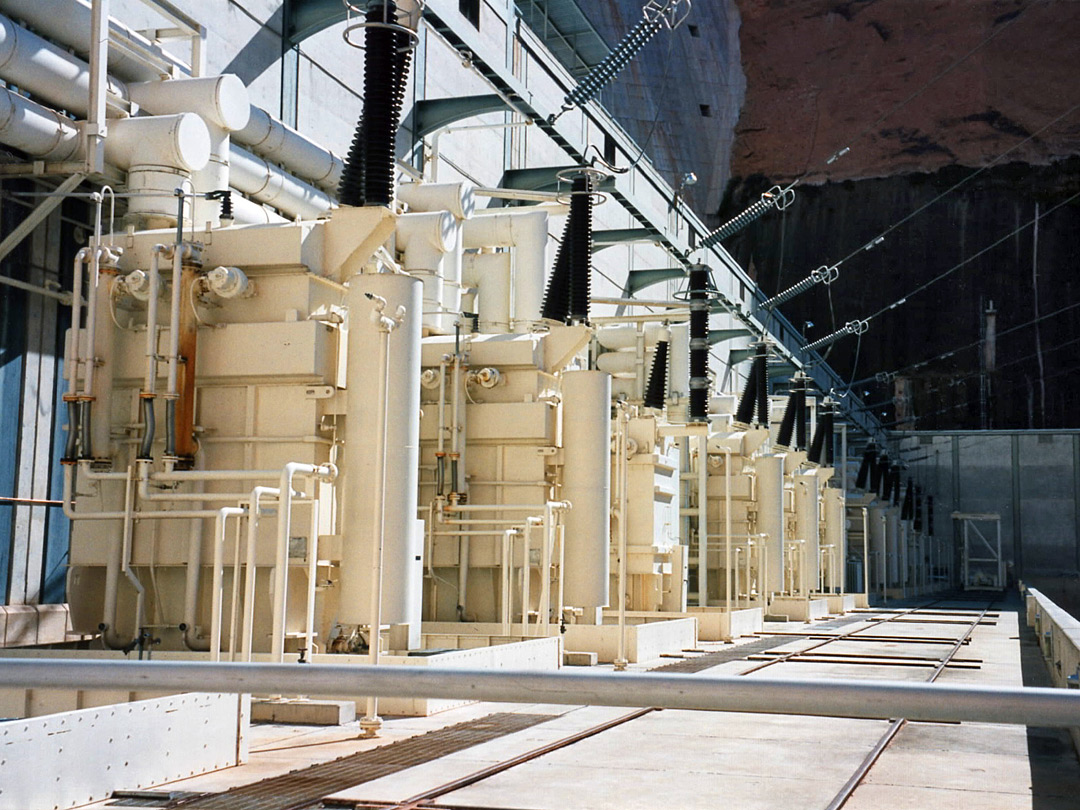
[[46, 71], [266, 183], [150, 383], [427, 239], [95, 129], [548, 539], [72, 361], [281, 558], [505, 580], [118, 564], [132, 56], [525, 231], [36, 130], [191, 581], [727, 532], [703, 520], [257, 494], [217, 586], [385, 324], [279, 143], [622, 451], [312, 572], [822, 697], [526, 581]]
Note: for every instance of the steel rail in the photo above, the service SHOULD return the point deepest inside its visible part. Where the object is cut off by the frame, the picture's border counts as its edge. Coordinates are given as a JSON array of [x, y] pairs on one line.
[[838, 637], [856, 779]]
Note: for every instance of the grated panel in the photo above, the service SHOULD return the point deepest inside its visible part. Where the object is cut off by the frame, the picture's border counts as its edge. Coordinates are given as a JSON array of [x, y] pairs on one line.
[[304, 787], [737, 653]]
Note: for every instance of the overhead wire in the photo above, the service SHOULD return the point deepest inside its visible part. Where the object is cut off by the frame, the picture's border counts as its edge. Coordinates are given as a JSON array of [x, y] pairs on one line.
[[903, 299], [945, 355]]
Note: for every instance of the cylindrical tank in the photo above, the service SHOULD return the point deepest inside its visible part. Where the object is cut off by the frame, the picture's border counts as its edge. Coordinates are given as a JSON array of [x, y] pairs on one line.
[[586, 429], [770, 510], [836, 536], [400, 603], [876, 523], [808, 519]]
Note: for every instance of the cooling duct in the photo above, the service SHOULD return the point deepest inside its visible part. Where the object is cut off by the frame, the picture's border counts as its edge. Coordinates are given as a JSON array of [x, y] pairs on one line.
[[656, 392]]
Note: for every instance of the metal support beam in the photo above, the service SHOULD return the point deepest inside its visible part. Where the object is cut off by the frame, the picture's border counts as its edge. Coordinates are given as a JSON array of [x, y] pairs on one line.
[[38, 215], [824, 698], [638, 280], [432, 114]]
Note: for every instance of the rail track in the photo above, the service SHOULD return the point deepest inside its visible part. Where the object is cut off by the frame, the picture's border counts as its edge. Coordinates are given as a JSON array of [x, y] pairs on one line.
[[308, 788]]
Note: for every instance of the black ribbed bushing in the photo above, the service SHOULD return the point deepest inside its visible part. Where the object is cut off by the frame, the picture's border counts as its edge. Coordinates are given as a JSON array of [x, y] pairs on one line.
[[556, 305], [868, 463], [787, 422], [699, 343], [656, 392], [580, 247]]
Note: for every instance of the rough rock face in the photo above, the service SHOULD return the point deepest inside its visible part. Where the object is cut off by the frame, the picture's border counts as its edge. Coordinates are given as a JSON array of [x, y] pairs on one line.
[[680, 97], [824, 74]]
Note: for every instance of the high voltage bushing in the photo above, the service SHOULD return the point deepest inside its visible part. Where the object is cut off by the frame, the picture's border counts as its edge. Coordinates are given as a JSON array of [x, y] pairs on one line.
[[368, 176], [566, 299], [823, 275], [821, 446], [894, 479], [744, 414], [866, 466], [907, 507], [774, 197], [656, 392], [830, 434], [850, 328], [761, 361], [929, 515], [699, 343], [656, 14], [878, 473], [918, 525], [787, 422]]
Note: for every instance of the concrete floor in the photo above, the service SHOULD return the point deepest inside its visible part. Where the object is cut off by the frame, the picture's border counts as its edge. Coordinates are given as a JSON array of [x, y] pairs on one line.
[[688, 760]]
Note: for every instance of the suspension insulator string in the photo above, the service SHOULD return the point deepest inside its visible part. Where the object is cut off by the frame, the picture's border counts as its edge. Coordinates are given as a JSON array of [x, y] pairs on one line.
[[656, 14], [850, 328], [775, 197], [823, 275]]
